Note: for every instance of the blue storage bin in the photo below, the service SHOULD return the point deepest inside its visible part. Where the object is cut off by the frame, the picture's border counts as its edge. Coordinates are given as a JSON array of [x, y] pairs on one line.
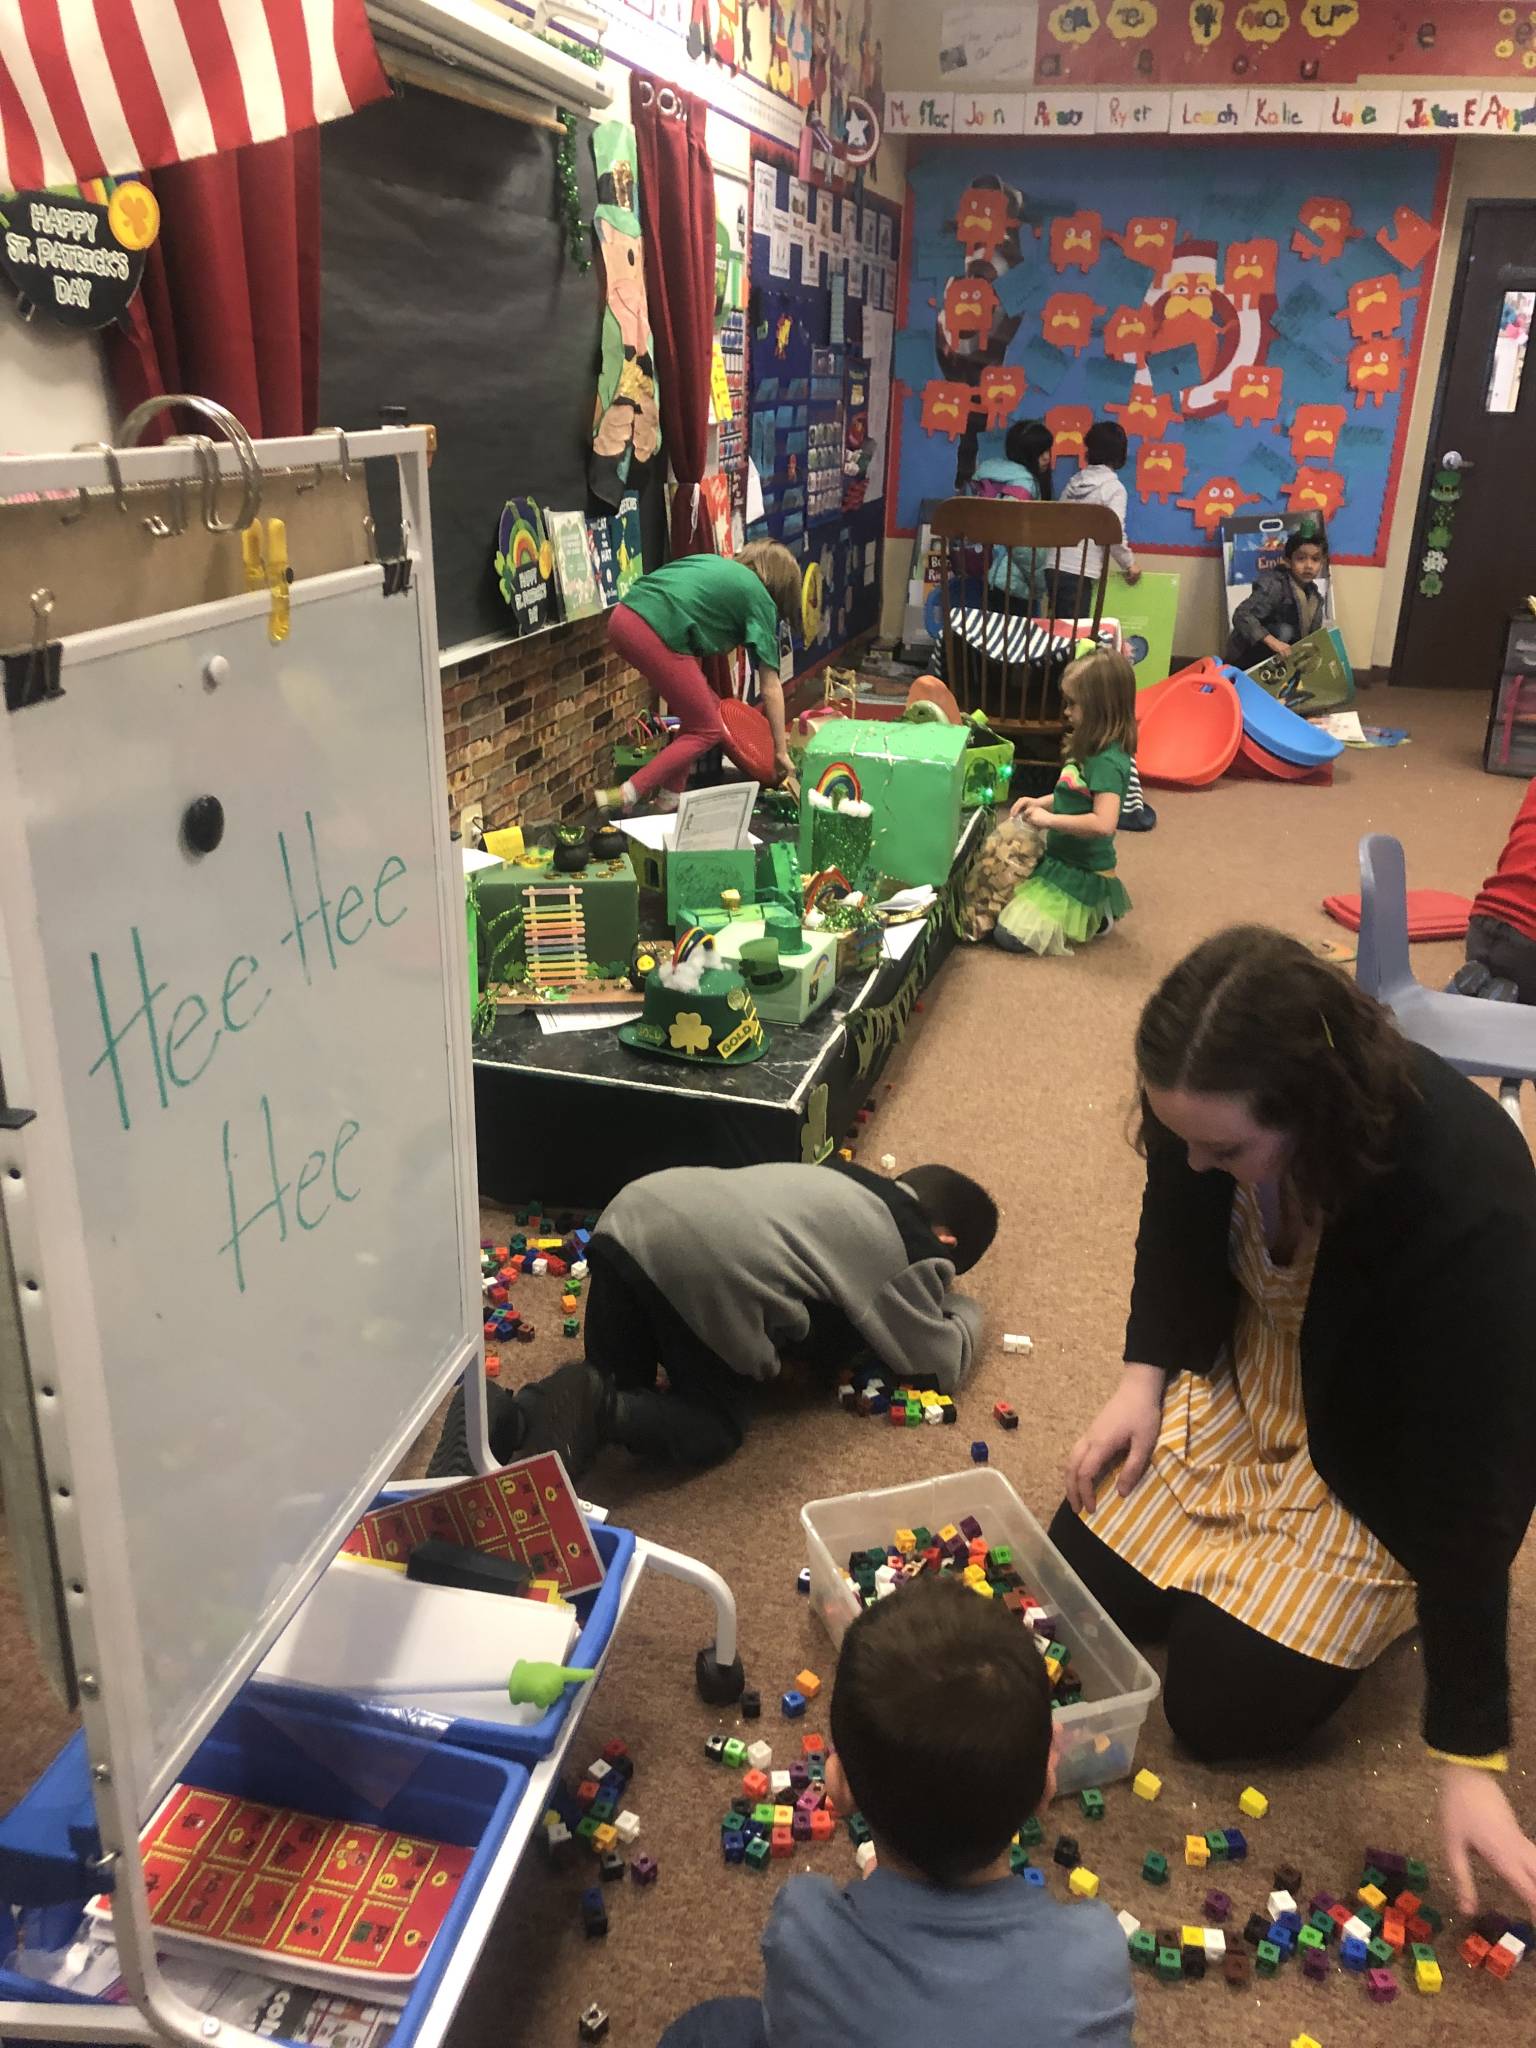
[[274, 1751], [531, 1742]]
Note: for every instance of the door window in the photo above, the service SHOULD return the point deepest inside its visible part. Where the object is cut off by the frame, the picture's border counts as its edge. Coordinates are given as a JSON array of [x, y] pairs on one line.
[[1508, 365]]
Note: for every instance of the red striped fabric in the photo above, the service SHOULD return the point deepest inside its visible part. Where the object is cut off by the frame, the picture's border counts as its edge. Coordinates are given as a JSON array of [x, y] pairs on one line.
[[97, 88]]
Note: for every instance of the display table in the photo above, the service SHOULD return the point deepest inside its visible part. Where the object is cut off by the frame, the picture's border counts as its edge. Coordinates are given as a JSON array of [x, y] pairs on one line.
[[569, 1120]]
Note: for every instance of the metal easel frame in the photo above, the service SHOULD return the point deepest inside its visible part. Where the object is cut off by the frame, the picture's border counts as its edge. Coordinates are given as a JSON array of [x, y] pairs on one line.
[[97, 1600]]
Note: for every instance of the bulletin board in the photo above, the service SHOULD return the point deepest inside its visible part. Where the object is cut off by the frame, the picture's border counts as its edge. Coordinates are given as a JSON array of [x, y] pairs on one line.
[[447, 287], [824, 281], [1250, 312]]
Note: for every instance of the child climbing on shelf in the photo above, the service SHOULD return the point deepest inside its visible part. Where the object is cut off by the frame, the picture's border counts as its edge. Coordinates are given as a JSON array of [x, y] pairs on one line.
[[1074, 893], [942, 1740], [718, 1275], [702, 605]]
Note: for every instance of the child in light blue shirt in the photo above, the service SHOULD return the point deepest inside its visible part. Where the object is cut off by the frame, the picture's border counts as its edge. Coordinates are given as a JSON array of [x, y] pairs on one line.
[[941, 1722]]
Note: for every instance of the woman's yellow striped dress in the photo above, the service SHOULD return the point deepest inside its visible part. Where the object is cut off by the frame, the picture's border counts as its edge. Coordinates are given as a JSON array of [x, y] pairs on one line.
[[1231, 1507]]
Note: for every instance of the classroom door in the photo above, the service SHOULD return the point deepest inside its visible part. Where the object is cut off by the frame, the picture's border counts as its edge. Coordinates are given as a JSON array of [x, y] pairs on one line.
[[1473, 562]]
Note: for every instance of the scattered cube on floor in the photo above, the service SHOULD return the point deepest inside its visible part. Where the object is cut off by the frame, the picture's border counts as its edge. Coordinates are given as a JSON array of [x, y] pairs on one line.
[[760, 1755], [1066, 1852], [644, 1870], [1252, 1803], [1197, 1852], [1427, 1978], [1236, 1968], [594, 1914], [1092, 1802], [751, 1706], [1218, 1906], [1266, 1959], [1170, 1965], [1146, 1784], [1154, 1867], [1083, 1884], [1381, 1986], [593, 2024], [978, 1453], [807, 1684], [792, 1704], [1130, 1926], [1315, 1966], [865, 1857], [803, 1581], [1215, 1944], [735, 1753], [627, 1826]]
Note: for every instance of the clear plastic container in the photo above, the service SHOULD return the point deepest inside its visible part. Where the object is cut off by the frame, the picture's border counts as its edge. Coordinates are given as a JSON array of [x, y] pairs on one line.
[[1099, 1734]]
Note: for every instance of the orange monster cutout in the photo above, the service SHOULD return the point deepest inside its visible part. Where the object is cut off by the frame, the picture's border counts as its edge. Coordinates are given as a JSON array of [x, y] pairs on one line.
[[1250, 272], [1149, 239], [970, 307], [1315, 432], [1326, 226], [946, 407], [1217, 499], [1160, 470], [1409, 239], [1067, 318], [983, 222], [1076, 239], [1315, 490], [1146, 413], [1002, 386], [1253, 396], [1375, 370], [1375, 307], [1127, 332], [1067, 425]]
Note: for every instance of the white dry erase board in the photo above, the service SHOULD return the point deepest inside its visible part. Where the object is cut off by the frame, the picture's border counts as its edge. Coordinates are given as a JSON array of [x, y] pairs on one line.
[[242, 1210]]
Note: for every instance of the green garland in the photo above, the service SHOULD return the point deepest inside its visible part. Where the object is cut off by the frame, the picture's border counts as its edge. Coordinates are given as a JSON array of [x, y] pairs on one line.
[[573, 218]]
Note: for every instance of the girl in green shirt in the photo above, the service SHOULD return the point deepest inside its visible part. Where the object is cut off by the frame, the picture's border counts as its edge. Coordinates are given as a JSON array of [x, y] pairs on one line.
[[1074, 893], [698, 605]]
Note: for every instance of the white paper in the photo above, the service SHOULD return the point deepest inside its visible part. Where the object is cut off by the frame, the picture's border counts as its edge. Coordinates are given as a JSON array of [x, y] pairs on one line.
[[901, 938], [555, 1022], [764, 196], [879, 331], [755, 508], [475, 858], [918, 897], [1341, 725], [778, 253], [984, 41], [714, 820]]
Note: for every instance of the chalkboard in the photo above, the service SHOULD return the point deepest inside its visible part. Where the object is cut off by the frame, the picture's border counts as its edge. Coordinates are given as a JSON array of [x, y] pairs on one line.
[[244, 1035], [447, 288]]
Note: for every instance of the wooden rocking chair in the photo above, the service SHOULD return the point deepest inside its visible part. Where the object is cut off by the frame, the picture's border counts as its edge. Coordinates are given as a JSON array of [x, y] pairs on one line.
[[999, 655]]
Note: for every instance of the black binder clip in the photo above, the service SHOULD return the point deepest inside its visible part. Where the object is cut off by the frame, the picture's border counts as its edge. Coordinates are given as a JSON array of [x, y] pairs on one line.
[[32, 674], [397, 576]]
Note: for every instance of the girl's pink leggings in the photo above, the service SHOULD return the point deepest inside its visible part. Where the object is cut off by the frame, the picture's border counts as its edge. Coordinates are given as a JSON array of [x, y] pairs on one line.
[[678, 678]]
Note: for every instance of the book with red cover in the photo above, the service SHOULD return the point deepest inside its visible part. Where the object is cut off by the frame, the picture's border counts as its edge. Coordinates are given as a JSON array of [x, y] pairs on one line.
[[335, 1903], [527, 1511]]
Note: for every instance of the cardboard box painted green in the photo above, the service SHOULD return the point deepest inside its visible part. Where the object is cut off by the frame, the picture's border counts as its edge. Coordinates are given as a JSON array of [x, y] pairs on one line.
[[912, 776], [592, 915], [809, 977], [988, 772], [698, 878]]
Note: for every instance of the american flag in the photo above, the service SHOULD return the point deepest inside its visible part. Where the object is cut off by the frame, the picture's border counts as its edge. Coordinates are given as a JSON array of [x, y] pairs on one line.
[[96, 88]]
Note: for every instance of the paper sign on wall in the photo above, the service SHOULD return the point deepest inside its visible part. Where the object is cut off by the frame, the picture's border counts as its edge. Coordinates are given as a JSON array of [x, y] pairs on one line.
[[919, 113], [983, 40]]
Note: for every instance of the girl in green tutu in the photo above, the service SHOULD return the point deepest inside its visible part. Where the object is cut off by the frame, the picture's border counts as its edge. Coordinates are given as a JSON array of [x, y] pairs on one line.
[[1074, 893]]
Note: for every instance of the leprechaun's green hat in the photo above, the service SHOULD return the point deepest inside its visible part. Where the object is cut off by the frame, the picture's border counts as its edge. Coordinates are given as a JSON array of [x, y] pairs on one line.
[[713, 1025]]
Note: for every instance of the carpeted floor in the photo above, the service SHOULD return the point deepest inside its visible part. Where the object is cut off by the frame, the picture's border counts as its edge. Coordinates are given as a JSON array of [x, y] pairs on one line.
[[1019, 1070]]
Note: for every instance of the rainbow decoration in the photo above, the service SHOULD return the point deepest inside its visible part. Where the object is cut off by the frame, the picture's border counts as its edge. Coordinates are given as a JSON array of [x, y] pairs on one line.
[[838, 784], [689, 943]]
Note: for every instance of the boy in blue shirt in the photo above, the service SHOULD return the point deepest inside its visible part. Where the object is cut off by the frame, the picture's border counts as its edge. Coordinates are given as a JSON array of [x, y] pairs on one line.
[[941, 1725]]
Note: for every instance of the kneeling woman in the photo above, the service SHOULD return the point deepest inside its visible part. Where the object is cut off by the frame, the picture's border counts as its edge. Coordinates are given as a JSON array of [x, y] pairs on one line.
[[1326, 1425]]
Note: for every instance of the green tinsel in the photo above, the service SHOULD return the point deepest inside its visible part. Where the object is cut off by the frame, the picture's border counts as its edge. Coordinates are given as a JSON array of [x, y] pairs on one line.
[[572, 216]]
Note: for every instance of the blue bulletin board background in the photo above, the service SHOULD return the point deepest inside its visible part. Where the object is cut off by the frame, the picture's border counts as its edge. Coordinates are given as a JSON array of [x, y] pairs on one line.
[[787, 320], [1257, 335]]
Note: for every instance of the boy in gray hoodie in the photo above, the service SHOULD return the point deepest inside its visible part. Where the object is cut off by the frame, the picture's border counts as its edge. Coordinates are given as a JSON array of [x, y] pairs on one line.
[[717, 1275], [1105, 451]]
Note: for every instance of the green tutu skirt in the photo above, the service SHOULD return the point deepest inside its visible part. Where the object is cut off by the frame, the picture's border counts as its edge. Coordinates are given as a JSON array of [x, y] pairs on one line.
[[1061, 906]]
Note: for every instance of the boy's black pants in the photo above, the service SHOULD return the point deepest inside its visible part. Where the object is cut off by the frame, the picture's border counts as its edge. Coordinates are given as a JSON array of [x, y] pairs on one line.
[[631, 1329]]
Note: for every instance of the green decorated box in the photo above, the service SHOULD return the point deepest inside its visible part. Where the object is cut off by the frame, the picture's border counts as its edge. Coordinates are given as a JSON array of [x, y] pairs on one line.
[[787, 985], [912, 777], [695, 881], [988, 773], [556, 930]]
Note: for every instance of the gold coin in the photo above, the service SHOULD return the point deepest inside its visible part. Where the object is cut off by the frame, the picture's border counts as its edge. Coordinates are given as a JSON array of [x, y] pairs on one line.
[[133, 215]]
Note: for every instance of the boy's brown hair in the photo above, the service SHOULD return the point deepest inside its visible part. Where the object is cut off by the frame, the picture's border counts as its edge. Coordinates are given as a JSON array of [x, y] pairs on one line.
[[1106, 695], [779, 573]]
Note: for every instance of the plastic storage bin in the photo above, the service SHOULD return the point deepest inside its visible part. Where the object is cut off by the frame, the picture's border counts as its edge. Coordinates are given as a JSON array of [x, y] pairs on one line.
[[531, 1741], [1098, 1736], [291, 1755]]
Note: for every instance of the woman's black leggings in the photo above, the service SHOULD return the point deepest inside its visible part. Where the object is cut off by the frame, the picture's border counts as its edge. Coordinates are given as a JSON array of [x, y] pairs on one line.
[[1228, 1690]]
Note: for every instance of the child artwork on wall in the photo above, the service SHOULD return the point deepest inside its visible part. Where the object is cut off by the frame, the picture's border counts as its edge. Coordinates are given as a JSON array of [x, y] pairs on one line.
[[1256, 336], [626, 424], [574, 571]]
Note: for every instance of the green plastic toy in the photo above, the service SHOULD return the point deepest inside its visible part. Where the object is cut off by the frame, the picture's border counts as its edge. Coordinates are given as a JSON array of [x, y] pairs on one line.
[[540, 1685]]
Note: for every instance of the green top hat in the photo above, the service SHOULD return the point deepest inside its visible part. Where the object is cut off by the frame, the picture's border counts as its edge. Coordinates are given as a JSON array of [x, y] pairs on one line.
[[760, 964], [714, 1025]]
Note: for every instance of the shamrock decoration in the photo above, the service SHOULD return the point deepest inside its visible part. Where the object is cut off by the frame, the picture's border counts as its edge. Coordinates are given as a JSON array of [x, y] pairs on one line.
[[1434, 558], [1430, 584], [1439, 534], [689, 1032]]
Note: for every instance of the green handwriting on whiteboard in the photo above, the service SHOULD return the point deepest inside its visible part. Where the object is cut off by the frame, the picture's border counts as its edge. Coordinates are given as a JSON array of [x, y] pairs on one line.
[[256, 1190], [157, 1042]]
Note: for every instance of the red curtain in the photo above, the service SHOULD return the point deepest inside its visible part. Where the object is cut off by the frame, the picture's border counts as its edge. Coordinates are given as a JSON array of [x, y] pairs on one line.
[[677, 211], [230, 305]]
